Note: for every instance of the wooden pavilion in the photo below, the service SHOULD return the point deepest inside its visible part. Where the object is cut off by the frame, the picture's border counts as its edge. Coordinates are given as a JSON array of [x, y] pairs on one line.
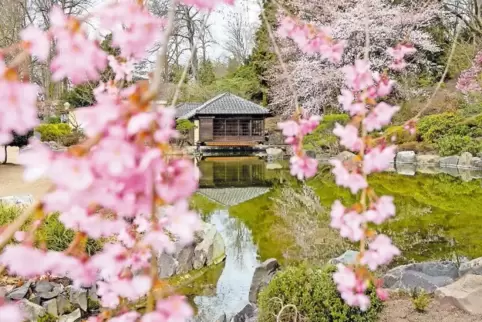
[[225, 120]]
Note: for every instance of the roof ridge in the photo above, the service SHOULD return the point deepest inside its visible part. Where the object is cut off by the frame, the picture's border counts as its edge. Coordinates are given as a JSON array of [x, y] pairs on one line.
[[212, 100]]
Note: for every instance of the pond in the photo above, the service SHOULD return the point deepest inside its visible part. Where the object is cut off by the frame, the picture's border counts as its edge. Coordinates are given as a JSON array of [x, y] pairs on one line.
[[262, 212]]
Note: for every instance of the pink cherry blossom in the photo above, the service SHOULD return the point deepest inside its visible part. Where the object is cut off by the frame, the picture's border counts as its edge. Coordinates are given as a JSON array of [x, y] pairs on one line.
[[126, 317], [158, 240], [351, 288], [381, 210], [177, 180], [382, 294], [348, 136], [13, 257], [122, 70], [182, 222], [95, 119], [344, 178], [337, 213], [347, 102], [11, 313], [303, 167], [36, 160], [140, 122], [289, 128], [384, 84], [351, 227], [36, 41], [308, 125], [71, 173], [378, 159], [207, 4], [380, 116], [175, 309], [380, 252], [358, 77], [114, 156]]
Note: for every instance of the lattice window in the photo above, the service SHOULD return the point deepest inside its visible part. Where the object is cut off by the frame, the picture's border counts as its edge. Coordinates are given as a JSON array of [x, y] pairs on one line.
[[219, 127], [244, 127], [232, 127], [257, 128]]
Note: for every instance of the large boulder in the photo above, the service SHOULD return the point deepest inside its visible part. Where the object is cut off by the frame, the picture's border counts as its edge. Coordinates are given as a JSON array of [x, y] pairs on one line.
[[465, 160], [211, 249], [405, 157], [466, 294], [427, 276], [476, 162], [428, 159], [185, 260], [472, 267], [31, 311], [78, 297], [347, 258], [345, 156], [449, 162], [167, 265], [19, 292], [406, 169], [261, 277], [75, 316]]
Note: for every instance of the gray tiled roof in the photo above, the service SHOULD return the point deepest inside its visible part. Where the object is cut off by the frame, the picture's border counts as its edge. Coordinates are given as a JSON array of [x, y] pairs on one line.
[[233, 196], [184, 108], [226, 104]]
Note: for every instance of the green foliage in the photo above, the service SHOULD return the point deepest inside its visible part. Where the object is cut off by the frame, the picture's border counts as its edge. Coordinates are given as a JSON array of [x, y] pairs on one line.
[[53, 233], [206, 73], [310, 294], [53, 132], [462, 58], [420, 300], [53, 120], [47, 317], [184, 126], [322, 138], [433, 127], [203, 205], [456, 144], [399, 134]]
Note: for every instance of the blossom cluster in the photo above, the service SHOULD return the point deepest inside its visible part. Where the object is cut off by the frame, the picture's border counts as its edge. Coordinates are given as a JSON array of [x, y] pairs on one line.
[[364, 88], [311, 40], [302, 166], [122, 184], [468, 81]]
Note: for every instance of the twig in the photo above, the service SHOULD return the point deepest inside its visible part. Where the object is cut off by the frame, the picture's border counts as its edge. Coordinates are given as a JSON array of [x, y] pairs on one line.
[[442, 79], [186, 67], [161, 58], [280, 59]]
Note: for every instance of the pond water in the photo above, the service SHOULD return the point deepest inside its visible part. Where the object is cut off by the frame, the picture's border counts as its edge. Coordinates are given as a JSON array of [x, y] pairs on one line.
[[260, 211]]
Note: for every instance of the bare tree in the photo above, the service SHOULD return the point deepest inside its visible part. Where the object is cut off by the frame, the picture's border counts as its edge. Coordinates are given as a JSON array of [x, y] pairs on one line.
[[240, 37]]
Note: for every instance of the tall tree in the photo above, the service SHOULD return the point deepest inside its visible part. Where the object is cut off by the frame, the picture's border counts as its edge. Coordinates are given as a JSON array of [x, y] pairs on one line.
[[240, 37]]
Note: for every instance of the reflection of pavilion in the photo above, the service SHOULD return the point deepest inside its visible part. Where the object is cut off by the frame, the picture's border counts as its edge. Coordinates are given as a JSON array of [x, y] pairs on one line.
[[231, 181]]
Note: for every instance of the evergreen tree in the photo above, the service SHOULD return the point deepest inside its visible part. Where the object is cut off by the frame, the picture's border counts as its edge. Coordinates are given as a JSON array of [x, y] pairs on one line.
[[18, 141], [206, 73]]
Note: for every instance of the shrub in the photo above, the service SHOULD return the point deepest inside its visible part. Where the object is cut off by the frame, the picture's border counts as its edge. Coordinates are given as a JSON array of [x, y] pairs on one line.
[[184, 126], [53, 233], [399, 134], [456, 144], [71, 139], [420, 300], [416, 146], [53, 132], [53, 120], [433, 127], [314, 295], [322, 138]]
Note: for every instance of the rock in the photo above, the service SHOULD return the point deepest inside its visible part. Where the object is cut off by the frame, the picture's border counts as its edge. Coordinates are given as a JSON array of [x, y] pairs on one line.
[[43, 287], [429, 159], [466, 294], [406, 169], [405, 157], [63, 304], [199, 259], [465, 160], [449, 162], [4, 290], [476, 162], [344, 156], [185, 260], [472, 267], [212, 247], [75, 316], [273, 166], [347, 258], [428, 169], [31, 311], [261, 277], [78, 297], [222, 318], [21, 200], [311, 153], [453, 171], [57, 289], [217, 251], [245, 314], [51, 307], [35, 299], [92, 293], [274, 152], [167, 265], [427, 276], [465, 174], [19, 292]]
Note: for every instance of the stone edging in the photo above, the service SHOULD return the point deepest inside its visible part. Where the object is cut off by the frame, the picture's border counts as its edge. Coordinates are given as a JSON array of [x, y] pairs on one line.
[[465, 161]]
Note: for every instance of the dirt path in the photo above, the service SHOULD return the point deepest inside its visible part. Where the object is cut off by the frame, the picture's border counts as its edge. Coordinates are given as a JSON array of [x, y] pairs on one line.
[[11, 181]]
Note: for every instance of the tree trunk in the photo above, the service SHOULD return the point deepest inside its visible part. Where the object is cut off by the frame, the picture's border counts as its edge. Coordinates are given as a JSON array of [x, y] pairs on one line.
[[5, 157]]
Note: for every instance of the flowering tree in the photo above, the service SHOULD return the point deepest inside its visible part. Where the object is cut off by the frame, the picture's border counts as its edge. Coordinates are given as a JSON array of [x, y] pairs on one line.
[[362, 89], [316, 81], [121, 183]]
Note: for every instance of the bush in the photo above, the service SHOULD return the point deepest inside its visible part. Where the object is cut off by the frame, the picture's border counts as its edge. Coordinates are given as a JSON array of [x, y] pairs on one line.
[[434, 127], [184, 126], [53, 132], [456, 144], [53, 120], [53, 233], [71, 139], [314, 295], [322, 138], [420, 300], [399, 134]]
